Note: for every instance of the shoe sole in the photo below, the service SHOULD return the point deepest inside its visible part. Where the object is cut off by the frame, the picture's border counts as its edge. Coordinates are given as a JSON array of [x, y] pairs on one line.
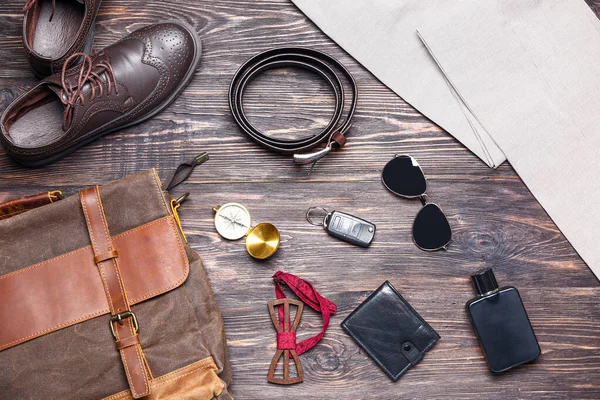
[[184, 83]]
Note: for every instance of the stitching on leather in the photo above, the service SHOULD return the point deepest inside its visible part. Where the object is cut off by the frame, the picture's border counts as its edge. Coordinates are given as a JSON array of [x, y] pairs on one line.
[[138, 351], [105, 284], [86, 317], [200, 364], [70, 135], [111, 105], [131, 385], [42, 263], [147, 58], [87, 219], [110, 246], [95, 250], [137, 300], [185, 261], [138, 348], [205, 363], [176, 377], [156, 221], [104, 311]]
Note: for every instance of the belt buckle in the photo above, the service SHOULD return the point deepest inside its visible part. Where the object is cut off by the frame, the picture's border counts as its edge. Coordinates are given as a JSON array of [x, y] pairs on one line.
[[119, 318]]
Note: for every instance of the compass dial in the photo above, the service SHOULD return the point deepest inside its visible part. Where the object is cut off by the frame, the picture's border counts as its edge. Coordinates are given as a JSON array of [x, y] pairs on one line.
[[232, 221]]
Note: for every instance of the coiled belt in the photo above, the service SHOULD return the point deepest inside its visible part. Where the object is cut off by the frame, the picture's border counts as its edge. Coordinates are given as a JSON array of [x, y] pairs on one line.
[[320, 63]]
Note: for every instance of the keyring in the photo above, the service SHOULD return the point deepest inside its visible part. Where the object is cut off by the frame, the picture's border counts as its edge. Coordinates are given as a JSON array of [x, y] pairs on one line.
[[308, 215]]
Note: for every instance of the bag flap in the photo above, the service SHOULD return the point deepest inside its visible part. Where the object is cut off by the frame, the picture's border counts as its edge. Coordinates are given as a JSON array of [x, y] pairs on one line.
[[50, 280]]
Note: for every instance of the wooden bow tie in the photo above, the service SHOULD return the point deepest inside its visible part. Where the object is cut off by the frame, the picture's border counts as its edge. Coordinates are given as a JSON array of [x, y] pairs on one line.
[[286, 342]]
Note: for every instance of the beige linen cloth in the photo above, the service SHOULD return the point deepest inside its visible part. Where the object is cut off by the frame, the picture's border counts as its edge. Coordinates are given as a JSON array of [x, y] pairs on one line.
[[528, 73], [381, 35]]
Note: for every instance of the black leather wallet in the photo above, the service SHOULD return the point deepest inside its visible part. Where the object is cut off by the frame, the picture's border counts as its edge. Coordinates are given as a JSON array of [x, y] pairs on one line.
[[390, 331]]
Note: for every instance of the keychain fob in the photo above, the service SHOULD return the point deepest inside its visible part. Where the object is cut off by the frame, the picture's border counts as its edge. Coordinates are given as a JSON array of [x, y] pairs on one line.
[[349, 228]]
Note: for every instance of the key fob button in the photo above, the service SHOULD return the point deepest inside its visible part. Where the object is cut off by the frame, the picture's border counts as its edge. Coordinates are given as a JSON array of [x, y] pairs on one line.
[[351, 229]]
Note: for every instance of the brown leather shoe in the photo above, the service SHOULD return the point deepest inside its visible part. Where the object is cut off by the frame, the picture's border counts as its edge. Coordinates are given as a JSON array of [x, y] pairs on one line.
[[53, 30], [126, 83]]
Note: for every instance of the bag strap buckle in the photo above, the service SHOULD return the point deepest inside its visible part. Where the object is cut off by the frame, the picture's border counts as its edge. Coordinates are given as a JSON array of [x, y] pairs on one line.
[[120, 317]]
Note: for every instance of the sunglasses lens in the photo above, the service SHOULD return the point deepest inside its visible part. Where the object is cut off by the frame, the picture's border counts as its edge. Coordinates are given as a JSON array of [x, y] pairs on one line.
[[403, 176], [431, 230]]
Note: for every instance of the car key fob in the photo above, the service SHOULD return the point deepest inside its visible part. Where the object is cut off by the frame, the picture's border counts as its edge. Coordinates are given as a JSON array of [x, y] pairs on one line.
[[349, 228]]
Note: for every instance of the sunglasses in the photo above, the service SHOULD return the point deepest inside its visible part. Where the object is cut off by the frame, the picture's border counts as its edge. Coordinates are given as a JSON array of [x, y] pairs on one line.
[[404, 177]]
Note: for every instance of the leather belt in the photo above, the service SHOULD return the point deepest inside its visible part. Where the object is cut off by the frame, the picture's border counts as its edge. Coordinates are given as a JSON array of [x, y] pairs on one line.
[[312, 60]]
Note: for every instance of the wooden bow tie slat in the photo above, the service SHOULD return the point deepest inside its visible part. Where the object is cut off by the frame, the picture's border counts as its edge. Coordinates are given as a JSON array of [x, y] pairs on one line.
[[286, 342]]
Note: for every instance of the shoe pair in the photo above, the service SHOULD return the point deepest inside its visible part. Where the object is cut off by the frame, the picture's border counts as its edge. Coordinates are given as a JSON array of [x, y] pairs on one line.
[[83, 97]]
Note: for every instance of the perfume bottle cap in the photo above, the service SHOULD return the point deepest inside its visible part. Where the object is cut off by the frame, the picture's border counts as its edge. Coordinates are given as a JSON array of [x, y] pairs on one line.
[[484, 281]]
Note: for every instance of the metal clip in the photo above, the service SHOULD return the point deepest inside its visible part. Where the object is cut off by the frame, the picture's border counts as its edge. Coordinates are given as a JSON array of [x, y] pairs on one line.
[[311, 158], [175, 204]]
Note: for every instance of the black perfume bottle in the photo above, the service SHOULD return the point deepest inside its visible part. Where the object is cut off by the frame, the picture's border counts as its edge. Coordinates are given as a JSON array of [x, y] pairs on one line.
[[501, 323]]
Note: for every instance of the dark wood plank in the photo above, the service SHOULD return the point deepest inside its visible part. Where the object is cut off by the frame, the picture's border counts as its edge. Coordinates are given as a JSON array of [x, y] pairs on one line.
[[496, 220]]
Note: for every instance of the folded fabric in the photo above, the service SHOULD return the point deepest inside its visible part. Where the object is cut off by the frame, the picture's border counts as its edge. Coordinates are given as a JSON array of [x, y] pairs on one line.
[[528, 71], [381, 35]]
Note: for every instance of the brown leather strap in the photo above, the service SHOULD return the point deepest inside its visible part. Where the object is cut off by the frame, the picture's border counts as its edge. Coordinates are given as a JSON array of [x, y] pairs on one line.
[[105, 256], [29, 298], [128, 342], [123, 323], [17, 206]]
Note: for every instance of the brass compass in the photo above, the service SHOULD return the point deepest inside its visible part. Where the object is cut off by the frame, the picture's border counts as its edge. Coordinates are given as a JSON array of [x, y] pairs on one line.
[[232, 221]]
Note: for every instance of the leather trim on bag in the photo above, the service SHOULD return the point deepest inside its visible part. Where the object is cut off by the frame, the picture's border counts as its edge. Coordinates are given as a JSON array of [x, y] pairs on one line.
[[17, 206], [67, 289], [195, 381], [123, 322]]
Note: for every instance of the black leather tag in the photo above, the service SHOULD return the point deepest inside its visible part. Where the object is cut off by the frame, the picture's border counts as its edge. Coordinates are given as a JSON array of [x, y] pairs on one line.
[[390, 331]]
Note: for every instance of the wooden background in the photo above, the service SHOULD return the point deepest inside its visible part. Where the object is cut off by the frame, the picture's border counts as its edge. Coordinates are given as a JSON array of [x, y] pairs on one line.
[[495, 219]]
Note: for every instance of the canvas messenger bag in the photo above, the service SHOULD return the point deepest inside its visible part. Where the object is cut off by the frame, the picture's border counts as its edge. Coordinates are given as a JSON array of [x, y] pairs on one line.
[[101, 298]]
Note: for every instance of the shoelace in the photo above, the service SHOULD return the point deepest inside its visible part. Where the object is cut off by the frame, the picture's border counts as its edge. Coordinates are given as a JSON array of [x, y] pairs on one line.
[[30, 3], [69, 95]]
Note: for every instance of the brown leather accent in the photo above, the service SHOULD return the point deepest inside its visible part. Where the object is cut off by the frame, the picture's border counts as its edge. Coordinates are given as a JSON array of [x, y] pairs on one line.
[[80, 361], [134, 362], [339, 138], [48, 42], [106, 256], [39, 299], [196, 381], [121, 85], [17, 206], [127, 342]]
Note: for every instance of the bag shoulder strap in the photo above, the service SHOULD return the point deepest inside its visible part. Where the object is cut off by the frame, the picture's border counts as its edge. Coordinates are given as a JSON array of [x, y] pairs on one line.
[[123, 322]]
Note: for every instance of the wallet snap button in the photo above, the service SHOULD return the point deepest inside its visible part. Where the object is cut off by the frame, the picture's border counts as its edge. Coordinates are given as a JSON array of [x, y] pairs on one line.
[[411, 352]]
